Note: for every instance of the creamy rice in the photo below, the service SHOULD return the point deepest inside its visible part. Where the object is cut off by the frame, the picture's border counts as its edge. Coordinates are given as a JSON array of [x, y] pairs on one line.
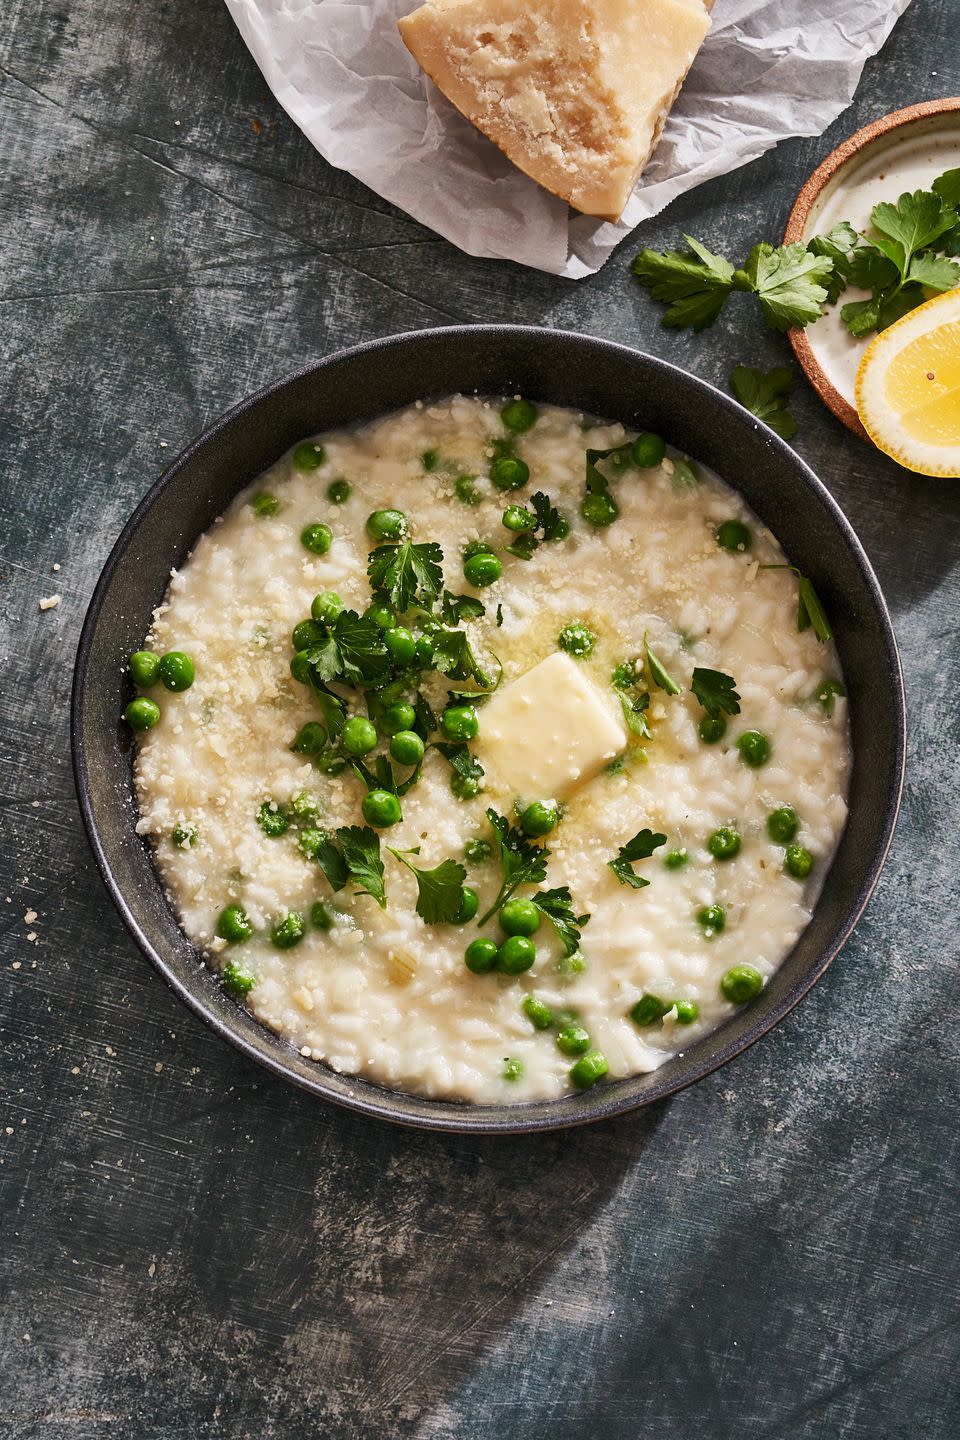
[[383, 994]]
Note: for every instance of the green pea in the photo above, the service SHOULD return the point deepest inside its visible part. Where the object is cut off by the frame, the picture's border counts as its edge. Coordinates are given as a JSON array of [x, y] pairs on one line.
[[733, 535], [398, 717], [712, 919], [724, 843], [599, 508], [381, 809], [406, 747], [263, 504], [826, 694], [465, 489], [518, 416], [317, 538], [338, 492], [482, 569], [687, 1011], [480, 955], [518, 519], [184, 835], [273, 821], [519, 917], [754, 748], [568, 965], [233, 925], [429, 460], [509, 472], [176, 671], [144, 665], [577, 639], [320, 916], [459, 722], [382, 615], [465, 787], [401, 646], [142, 714], [423, 659], [512, 1069], [309, 455], [627, 674], [310, 842], [648, 1010], [476, 852], [516, 954], [330, 764], [783, 824], [289, 931], [589, 1069], [326, 607], [310, 739], [359, 736], [573, 1039], [676, 859], [647, 450], [537, 1012], [300, 668], [540, 818], [237, 979], [740, 984], [711, 729], [306, 634], [797, 862], [389, 525], [469, 905], [304, 805]]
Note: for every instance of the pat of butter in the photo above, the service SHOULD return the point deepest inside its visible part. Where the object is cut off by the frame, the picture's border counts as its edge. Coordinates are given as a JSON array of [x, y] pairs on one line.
[[547, 731]]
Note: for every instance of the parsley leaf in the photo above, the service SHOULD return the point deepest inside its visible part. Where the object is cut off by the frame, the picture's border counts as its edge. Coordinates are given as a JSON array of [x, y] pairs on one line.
[[634, 713], [947, 186], [460, 760], [407, 573], [916, 221], [453, 656], [935, 272], [353, 652], [659, 675], [765, 395], [455, 608], [694, 286], [521, 862], [837, 247], [641, 847], [557, 905], [353, 853], [790, 283], [439, 891], [809, 609], [716, 692]]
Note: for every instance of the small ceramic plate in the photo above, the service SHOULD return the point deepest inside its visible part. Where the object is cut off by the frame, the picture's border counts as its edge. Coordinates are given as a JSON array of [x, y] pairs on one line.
[[903, 151]]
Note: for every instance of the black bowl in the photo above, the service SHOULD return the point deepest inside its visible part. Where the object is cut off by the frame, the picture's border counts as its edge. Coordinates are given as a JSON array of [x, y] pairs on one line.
[[546, 365]]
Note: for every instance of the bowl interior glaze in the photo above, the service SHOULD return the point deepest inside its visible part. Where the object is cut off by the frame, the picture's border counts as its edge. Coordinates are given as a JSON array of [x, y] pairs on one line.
[[605, 380]]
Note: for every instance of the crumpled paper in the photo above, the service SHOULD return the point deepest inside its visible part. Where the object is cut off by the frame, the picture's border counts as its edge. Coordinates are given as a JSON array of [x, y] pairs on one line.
[[769, 69]]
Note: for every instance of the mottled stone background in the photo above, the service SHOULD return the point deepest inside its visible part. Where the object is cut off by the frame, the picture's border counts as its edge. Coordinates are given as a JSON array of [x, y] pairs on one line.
[[191, 1249]]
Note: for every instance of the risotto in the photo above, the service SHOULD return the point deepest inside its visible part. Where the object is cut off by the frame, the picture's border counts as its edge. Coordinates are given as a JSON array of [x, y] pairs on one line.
[[502, 752]]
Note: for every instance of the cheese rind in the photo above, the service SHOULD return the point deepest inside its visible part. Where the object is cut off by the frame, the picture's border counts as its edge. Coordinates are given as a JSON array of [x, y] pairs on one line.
[[547, 731], [575, 94]]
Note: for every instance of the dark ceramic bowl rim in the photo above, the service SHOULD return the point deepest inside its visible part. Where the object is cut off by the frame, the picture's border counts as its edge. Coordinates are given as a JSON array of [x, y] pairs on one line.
[[453, 1116]]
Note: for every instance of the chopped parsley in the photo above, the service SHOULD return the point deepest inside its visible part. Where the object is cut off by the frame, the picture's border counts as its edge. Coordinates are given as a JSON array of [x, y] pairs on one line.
[[809, 609], [352, 853], [557, 906], [521, 862], [547, 523], [659, 674], [408, 573], [352, 652]]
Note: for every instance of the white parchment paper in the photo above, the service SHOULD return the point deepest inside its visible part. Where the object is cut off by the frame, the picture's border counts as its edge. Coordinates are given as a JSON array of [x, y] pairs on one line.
[[769, 69]]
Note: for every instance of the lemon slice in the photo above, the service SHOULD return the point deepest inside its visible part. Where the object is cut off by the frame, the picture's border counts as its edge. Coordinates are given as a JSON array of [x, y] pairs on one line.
[[908, 388]]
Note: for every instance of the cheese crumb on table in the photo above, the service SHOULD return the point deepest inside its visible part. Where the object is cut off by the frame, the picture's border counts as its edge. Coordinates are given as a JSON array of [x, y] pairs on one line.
[[50, 602], [575, 94]]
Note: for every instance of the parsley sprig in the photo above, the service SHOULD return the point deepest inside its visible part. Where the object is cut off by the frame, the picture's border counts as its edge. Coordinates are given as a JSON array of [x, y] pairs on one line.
[[765, 395], [557, 906], [546, 523], [409, 574], [716, 692], [521, 862], [352, 652]]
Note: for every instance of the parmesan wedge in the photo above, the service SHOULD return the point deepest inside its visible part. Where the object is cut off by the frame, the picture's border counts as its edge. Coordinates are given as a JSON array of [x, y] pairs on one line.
[[575, 94]]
